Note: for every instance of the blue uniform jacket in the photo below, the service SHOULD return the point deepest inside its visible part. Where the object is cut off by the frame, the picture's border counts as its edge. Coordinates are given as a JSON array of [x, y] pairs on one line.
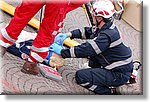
[[104, 49]]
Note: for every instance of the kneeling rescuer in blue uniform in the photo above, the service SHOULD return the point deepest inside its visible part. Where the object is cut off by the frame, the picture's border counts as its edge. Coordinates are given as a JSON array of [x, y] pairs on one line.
[[110, 60]]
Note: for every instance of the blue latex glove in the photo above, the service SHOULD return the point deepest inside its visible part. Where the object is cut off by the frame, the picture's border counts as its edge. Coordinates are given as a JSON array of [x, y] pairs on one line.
[[56, 48], [53, 48], [59, 39]]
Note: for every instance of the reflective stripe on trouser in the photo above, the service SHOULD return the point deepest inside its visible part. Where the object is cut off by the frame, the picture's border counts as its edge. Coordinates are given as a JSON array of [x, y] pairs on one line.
[[5, 39], [99, 80], [37, 57], [38, 54]]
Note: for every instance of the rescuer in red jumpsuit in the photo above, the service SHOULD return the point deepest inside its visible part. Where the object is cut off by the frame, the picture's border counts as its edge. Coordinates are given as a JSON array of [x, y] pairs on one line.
[[55, 12]]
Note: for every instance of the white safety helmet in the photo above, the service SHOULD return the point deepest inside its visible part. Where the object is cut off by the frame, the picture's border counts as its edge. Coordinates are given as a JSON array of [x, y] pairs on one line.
[[104, 8]]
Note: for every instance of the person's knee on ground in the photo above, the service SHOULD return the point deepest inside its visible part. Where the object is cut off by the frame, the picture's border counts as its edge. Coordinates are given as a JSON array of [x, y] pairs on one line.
[[87, 79], [84, 79], [80, 77]]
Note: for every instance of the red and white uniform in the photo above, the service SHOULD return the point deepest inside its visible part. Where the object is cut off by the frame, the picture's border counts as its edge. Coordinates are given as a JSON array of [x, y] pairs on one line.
[[55, 12]]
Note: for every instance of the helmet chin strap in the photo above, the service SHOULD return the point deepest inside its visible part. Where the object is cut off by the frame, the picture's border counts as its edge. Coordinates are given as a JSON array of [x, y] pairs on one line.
[[98, 23]]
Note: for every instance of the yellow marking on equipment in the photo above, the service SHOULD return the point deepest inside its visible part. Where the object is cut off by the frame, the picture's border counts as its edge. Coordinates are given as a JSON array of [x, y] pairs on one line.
[[85, 10], [10, 10], [33, 22]]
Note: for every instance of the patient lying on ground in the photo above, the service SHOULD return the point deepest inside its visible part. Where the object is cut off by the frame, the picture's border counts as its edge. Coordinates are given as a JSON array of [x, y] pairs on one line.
[[22, 49]]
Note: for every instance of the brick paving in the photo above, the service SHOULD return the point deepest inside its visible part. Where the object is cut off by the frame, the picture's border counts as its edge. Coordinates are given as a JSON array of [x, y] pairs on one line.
[[15, 82]]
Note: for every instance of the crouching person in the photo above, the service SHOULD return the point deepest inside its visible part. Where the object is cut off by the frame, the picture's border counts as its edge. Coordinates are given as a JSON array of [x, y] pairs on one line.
[[110, 60]]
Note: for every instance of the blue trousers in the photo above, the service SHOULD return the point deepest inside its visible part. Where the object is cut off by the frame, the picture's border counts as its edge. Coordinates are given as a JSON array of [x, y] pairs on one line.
[[99, 80]]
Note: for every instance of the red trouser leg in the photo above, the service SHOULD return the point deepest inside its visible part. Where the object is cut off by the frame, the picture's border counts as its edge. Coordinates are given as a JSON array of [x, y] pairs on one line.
[[22, 16], [23, 13], [54, 15], [44, 37]]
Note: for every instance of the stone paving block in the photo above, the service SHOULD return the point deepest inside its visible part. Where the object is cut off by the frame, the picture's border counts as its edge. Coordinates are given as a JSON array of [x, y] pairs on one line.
[[29, 84]]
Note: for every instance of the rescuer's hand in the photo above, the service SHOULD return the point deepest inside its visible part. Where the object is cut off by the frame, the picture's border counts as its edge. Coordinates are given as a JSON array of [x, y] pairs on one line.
[[59, 39], [56, 48]]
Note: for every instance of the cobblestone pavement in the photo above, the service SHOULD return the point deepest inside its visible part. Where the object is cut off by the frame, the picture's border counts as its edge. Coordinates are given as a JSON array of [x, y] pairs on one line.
[[15, 82]]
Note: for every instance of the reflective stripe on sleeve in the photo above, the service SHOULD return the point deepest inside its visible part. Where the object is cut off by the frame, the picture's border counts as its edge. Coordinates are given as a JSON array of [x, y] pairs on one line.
[[72, 52], [115, 43], [93, 87], [36, 56], [83, 33], [6, 36], [85, 84], [119, 63], [43, 49], [112, 26], [95, 46]]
